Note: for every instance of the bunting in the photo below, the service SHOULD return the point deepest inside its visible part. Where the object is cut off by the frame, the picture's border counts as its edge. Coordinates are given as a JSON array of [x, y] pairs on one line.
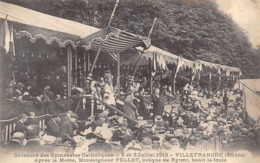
[[179, 64], [162, 63]]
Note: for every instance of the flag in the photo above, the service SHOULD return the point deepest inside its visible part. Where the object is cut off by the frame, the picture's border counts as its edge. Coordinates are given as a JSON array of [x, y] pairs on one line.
[[5, 37], [12, 48]]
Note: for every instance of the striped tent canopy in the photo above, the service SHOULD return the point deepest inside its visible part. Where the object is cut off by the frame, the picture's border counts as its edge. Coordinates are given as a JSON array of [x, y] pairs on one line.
[[113, 40], [36, 25]]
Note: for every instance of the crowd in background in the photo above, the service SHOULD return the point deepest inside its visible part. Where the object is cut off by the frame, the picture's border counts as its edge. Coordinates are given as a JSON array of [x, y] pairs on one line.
[[34, 85]]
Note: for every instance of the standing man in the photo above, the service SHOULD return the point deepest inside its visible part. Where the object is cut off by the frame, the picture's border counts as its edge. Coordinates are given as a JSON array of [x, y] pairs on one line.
[[158, 104], [130, 108], [225, 99]]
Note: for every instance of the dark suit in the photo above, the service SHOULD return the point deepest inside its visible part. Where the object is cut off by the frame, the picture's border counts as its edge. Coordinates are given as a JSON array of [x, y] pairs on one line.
[[20, 127], [126, 139], [67, 128], [53, 127], [63, 119], [241, 143], [14, 146], [35, 146], [31, 121], [117, 148], [162, 124], [130, 108], [158, 105], [142, 108], [100, 147]]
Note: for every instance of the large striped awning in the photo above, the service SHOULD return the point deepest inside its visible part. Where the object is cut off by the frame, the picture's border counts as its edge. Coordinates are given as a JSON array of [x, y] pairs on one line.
[[113, 40]]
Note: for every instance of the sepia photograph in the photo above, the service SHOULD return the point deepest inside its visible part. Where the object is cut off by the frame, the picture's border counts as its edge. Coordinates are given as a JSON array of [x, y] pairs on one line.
[[130, 81]]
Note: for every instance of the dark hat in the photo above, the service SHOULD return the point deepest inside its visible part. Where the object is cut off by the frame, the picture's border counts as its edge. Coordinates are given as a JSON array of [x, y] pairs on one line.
[[160, 130], [169, 137], [154, 138], [33, 131], [90, 135], [117, 135]]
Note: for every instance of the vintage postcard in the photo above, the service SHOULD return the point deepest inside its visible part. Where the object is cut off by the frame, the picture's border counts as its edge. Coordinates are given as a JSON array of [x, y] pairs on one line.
[[130, 81]]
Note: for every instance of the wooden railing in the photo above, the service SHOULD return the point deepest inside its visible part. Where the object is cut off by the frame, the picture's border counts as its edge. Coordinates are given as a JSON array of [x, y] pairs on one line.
[[8, 126]]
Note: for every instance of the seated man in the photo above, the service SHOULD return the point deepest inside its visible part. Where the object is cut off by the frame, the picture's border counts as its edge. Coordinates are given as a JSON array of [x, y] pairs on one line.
[[20, 127], [31, 120], [53, 125], [69, 126]]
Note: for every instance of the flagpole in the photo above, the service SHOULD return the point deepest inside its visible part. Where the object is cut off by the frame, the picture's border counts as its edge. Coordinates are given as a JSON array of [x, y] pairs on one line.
[[113, 13], [151, 30], [142, 53]]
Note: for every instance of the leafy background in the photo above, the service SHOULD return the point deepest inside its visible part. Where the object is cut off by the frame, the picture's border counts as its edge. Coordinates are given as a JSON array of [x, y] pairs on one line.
[[194, 29]]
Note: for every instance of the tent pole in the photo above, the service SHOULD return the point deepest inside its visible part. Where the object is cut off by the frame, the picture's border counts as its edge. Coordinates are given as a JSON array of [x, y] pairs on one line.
[[173, 79], [198, 81], [76, 67], [118, 72], [69, 67], [191, 78], [94, 63], [138, 62], [88, 64], [151, 77], [209, 86], [238, 78], [89, 77], [219, 84], [84, 69]]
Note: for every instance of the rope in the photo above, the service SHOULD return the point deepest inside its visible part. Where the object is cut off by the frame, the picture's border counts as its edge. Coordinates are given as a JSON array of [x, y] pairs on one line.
[[249, 89]]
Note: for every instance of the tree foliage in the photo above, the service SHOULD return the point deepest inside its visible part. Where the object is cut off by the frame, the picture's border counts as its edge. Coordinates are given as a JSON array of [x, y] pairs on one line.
[[195, 29]]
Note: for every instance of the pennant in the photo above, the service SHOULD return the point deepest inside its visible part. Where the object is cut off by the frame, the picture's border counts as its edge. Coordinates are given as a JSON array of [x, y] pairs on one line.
[[219, 71], [179, 64], [5, 37], [162, 63], [227, 73]]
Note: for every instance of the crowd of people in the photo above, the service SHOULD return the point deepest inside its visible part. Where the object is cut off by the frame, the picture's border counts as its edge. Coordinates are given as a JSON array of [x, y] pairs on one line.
[[32, 85], [195, 120]]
